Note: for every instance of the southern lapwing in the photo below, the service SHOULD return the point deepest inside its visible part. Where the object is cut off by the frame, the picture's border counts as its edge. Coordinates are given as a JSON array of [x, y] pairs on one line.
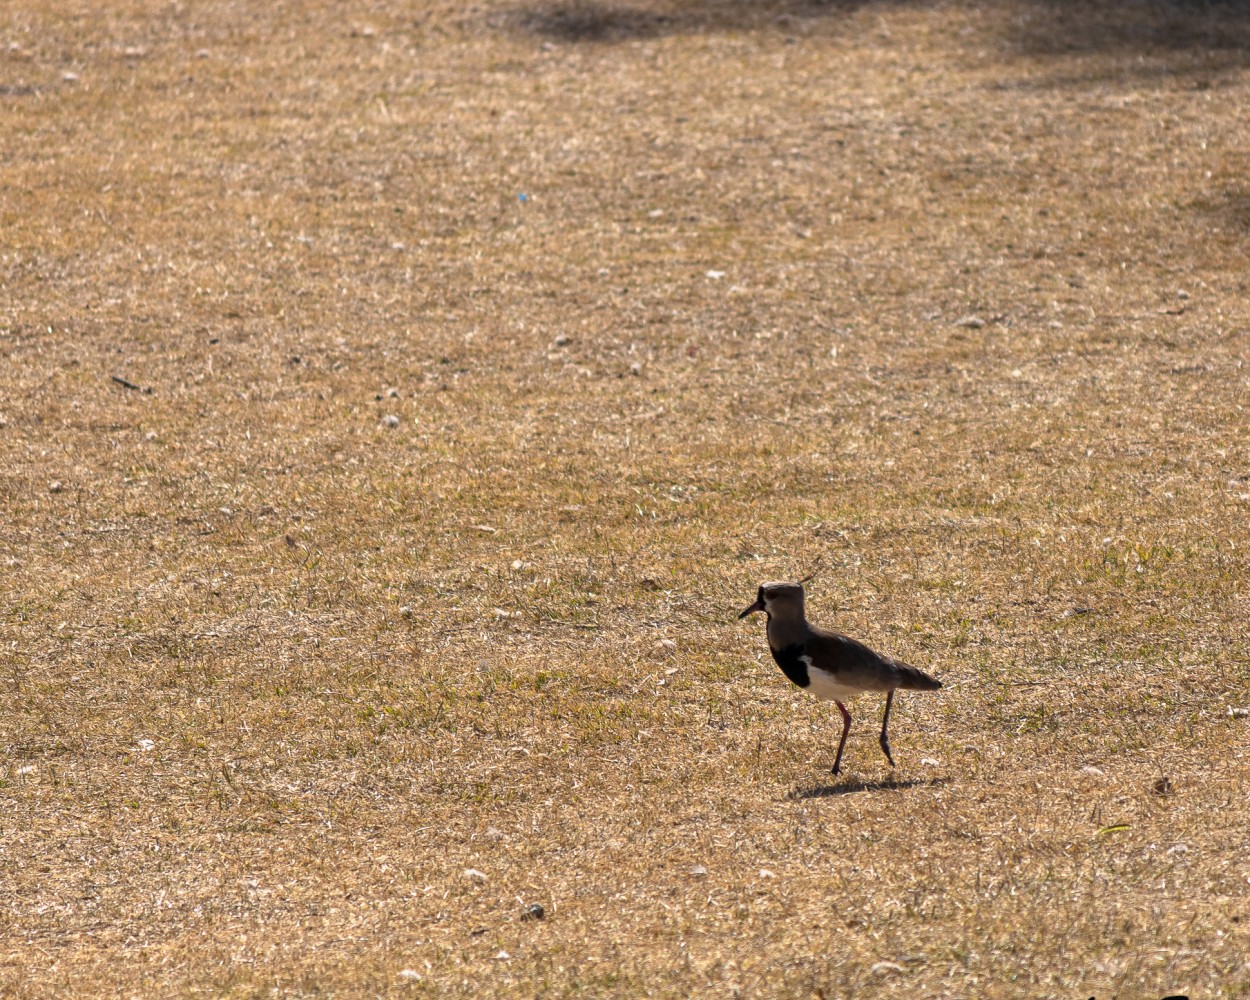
[[831, 666]]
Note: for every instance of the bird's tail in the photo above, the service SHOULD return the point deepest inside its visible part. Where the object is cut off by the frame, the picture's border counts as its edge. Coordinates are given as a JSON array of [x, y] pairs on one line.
[[914, 679]]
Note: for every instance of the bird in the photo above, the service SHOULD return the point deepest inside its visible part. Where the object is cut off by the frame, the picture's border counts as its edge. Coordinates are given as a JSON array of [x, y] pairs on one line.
[[831, 666]]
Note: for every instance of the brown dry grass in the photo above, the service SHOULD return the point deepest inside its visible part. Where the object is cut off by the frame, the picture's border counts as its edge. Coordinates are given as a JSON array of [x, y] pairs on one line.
[[271, 215]]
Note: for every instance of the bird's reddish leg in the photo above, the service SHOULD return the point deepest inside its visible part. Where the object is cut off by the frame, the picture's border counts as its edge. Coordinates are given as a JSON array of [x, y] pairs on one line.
[[846, 728], [885, 721]]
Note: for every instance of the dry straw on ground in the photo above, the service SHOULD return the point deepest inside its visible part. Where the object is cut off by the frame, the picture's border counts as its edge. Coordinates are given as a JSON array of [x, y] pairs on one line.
[[296, 700]]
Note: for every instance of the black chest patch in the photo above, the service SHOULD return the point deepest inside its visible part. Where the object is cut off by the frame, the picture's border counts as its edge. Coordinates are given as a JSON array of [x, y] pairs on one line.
[[791, 663]]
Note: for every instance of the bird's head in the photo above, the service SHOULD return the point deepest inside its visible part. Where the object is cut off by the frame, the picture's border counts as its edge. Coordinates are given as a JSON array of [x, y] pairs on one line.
[[780, 597]]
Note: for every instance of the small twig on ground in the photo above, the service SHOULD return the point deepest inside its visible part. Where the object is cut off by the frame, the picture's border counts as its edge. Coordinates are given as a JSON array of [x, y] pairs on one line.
[[815, 569], [965, 683], [130, 385]]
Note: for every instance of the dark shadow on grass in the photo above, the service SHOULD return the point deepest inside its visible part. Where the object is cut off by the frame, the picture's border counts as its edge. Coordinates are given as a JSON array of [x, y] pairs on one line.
[[583, 21], [607, 21], [851, 787], [1225, 210], [1133, 27], [1031, 27], [1234, 207]]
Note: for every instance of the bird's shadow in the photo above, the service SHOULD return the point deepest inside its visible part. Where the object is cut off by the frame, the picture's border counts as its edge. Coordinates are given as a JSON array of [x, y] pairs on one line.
[[851, 787]]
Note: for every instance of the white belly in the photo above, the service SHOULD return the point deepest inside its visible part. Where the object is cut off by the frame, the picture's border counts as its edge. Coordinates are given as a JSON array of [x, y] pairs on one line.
[[825, 686]]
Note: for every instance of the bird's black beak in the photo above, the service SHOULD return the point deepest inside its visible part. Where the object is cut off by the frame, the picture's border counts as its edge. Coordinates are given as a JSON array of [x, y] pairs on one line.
[[757, 606]]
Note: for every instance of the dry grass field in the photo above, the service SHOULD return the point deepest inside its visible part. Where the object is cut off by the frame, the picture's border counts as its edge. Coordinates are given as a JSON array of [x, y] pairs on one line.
[[946, 300]]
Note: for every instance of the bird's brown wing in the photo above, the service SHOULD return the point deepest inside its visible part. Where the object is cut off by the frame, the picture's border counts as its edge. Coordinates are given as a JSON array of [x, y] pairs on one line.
[[856, 665]]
